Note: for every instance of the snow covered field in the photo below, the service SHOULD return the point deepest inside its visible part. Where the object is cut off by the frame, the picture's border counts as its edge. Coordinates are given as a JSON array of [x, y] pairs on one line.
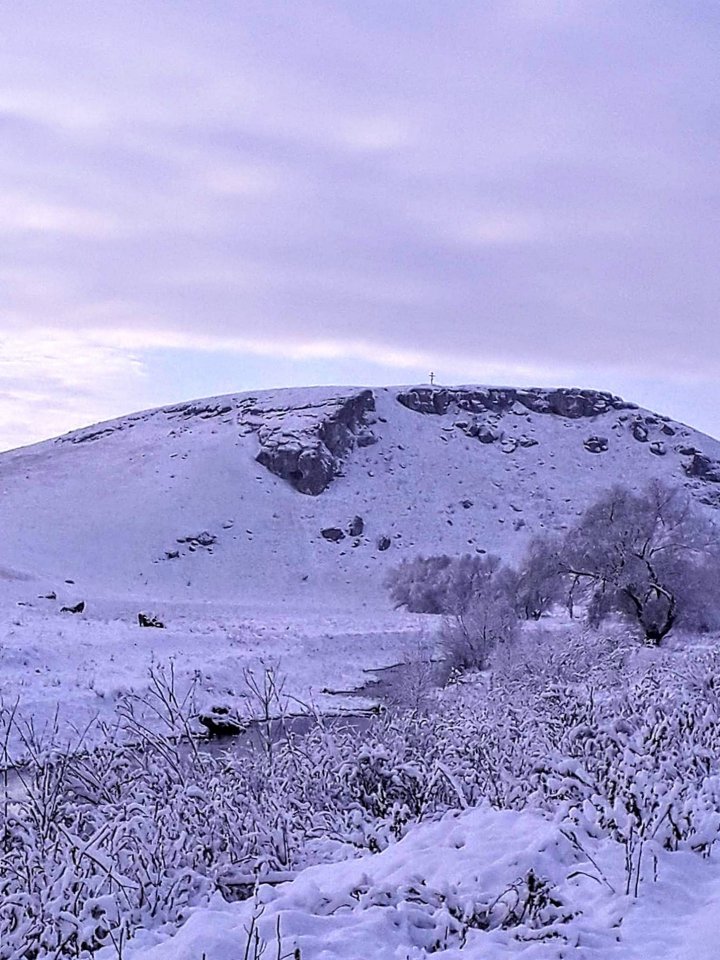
[[565, 805], [76, 667]]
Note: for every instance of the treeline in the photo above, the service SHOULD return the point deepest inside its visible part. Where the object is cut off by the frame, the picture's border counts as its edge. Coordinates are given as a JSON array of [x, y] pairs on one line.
[[650, 557]]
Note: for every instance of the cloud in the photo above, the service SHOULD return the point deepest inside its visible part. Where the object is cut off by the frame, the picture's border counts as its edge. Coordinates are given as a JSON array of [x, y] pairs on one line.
[[515, 186], [51, 380], [33, 214]]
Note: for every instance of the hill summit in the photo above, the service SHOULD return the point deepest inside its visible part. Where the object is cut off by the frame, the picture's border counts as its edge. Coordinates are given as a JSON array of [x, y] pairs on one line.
[[307, 496]]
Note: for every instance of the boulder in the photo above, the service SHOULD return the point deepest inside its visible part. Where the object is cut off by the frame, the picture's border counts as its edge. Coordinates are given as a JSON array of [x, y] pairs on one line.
[[333, 534], [221, 722], [146, 620], [486, 434], [703, 468], [596, 444], [76, 608]]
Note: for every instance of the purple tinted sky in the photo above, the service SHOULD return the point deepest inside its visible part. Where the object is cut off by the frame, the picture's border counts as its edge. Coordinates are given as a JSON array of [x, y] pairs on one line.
[[199, 197]]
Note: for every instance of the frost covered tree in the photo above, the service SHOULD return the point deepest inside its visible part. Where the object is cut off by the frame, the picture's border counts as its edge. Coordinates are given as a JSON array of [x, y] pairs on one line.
[[649, 556], [448, 585], [477, 595], [489, 620], [539, 581]]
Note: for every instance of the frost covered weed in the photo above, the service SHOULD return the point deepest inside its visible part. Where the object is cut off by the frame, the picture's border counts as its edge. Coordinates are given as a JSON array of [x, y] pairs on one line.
[[258, 947], [615, 744], [442, 917]]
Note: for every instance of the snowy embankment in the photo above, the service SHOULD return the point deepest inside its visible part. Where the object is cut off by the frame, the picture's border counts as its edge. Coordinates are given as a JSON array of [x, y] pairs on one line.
[[458, 889]]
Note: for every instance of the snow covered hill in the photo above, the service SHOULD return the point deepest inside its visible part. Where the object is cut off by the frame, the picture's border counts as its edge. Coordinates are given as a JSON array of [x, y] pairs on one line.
[[295, 499], [259, 530]]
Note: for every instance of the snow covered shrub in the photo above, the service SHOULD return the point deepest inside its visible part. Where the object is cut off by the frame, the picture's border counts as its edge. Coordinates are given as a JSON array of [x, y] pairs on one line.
[[477, 595], [617, 743], [640, 767]]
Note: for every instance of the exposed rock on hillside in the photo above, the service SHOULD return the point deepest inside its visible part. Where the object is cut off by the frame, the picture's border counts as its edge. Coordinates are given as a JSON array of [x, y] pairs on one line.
[[305, 445], [563, 402], [596, 444], [703, 468]]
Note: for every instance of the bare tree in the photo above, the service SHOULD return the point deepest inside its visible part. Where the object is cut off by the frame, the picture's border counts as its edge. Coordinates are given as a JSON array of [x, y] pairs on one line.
[[649, 556], [475, 592], [539, 580]]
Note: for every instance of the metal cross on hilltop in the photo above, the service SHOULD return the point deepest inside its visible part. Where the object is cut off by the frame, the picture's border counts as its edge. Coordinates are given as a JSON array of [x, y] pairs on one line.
[[432, 378]]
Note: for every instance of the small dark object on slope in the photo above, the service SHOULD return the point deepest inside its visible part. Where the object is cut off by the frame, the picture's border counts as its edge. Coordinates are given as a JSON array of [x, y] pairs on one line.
[[78, 608], [147, 621], [596, 444], [333, 534]]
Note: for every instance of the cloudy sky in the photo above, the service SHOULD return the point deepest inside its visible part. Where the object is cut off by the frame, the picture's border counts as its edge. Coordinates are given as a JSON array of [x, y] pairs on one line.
[[202, 196]]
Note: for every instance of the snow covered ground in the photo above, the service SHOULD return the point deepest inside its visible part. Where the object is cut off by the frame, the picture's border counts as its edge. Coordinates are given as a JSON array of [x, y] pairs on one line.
[[169, 513], [77, 667]]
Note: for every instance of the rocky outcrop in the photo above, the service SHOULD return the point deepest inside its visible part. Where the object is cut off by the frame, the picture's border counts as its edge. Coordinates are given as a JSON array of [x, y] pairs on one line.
[[205, 410], [563, 402], [703, 468], [306, 445]]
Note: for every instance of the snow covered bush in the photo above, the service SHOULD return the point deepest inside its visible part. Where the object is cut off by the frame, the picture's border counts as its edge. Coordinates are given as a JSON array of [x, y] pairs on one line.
[[476, 593], [614, 743]]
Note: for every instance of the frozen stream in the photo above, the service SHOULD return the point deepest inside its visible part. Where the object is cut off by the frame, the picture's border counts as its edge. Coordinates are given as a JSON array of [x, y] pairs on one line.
[[380, 688]]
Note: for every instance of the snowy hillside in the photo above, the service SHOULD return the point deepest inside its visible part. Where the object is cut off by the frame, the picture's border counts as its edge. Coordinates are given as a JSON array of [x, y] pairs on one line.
[[227, 498]]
